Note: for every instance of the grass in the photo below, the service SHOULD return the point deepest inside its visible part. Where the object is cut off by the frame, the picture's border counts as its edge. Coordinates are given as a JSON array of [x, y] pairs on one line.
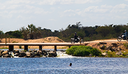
[[14, 42], [4, 48]]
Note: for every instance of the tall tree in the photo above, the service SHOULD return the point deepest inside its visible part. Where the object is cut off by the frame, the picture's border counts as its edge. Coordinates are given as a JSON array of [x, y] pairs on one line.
[[34, 32], [25, 32]]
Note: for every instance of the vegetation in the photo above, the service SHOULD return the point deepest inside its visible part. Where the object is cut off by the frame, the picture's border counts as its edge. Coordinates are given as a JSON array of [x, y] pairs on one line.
[[87, 33], [83, 51], [126, 45], [4, 48]]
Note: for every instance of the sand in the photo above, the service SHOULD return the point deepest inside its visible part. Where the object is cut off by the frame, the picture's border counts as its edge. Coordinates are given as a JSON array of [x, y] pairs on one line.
[[51, 39]]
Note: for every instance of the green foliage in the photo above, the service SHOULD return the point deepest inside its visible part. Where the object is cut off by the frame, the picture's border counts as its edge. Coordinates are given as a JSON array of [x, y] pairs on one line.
[[83, 51], [111, 54], [4, 48], [71, 50], [14, 42], [20, 47], [14, 34], [126, 45], [125, 54], [25, 50], [86, 33], [95, 52]]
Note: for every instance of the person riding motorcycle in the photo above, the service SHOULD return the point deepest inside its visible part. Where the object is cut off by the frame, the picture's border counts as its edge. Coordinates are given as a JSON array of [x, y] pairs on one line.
[[125, 35], [75, 36]]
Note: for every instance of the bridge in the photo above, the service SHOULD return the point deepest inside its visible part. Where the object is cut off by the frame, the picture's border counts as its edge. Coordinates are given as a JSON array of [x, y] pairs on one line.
[[11, 45]]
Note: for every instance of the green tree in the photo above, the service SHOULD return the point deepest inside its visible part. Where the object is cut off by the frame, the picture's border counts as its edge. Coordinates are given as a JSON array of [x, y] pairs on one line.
[[25, 32], [14, 34]]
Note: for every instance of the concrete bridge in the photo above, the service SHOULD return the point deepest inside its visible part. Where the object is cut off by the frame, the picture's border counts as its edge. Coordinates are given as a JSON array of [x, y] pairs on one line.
[[11, 45]]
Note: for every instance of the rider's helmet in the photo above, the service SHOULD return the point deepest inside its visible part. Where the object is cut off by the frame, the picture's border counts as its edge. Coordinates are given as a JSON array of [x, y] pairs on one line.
[[125, 30]]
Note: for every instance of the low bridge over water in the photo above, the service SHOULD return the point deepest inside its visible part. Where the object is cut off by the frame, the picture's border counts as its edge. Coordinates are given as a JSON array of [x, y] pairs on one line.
[[11, 45]]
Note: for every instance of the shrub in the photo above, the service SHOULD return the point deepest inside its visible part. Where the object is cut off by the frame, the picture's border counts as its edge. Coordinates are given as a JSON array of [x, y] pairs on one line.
[[95, 52], [111, 54], [126, 45], [71, 50], [83, 51]]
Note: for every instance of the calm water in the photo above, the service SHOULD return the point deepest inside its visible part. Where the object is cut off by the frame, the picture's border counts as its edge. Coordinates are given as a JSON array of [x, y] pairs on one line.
[[61, 65]]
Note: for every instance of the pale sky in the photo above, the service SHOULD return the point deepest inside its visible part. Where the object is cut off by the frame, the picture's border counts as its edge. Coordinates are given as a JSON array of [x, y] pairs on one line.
[[57, 14]]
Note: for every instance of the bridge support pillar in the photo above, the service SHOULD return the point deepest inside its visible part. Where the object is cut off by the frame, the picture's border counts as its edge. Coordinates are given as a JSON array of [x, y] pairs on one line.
[[11, 47], [69, 46], [40, 47], [55, 48], [26, 47]]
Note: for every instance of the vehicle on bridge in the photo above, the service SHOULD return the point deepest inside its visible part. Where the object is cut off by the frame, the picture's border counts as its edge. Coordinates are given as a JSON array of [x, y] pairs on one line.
[[76, 40], [121, 37]]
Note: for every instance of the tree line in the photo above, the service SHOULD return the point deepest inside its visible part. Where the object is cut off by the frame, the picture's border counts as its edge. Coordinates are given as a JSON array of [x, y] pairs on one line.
[[87, 33]]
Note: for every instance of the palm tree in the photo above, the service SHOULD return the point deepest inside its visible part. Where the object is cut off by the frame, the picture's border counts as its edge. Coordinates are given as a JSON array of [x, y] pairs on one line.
[[33, 32]]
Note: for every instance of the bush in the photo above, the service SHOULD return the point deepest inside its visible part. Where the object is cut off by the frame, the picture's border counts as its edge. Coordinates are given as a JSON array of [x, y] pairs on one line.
[[95, 52], [71, 50], [83, 51], [126, 45], [111, 54]]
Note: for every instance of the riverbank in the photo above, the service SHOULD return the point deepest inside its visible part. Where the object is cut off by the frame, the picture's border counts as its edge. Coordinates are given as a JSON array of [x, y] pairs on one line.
[[111, 48]]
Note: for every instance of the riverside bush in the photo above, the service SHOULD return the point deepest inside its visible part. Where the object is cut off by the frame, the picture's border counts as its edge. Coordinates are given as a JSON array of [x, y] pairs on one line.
[[83, 51]]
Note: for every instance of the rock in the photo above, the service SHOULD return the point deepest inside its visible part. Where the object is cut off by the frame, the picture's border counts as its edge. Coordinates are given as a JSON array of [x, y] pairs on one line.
[[37, 55], [104, 54], [30, 50], [5, 52], [108, 47], [22, 54], [103, 47], [39, 51], [102, 43], [119, 53], [52, 54], [90, 55], [32, 54], [1, 51], [34, 51], [118, 49], [114, 44], [16, 54], [16, 51], [6, 55], [28, 54], [44, 53], [113, 49]]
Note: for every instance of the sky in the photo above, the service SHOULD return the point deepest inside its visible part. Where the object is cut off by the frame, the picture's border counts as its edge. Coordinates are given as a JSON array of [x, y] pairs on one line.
[[58, 14]]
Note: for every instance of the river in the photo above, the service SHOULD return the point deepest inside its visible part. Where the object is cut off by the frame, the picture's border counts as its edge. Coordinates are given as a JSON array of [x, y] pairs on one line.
[[60, 65]]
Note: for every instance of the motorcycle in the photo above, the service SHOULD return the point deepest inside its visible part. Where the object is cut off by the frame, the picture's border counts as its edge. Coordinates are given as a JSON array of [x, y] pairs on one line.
[[73, 40], [121, 37]]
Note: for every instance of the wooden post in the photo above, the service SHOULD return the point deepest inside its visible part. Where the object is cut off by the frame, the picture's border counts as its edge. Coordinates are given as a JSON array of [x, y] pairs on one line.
[[55, 48], [5, 40], [9, 39], [26, 47], [40, 47], [11, 47]]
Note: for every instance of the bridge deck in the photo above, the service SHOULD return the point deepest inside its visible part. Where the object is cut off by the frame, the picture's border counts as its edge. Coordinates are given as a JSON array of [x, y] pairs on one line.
[[11, 45], [43, 44]]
